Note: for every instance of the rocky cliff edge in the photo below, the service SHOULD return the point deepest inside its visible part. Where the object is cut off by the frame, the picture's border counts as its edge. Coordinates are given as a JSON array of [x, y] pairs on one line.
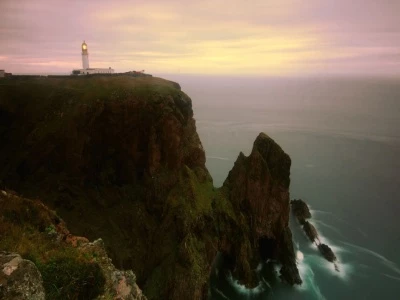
[[120, 158]]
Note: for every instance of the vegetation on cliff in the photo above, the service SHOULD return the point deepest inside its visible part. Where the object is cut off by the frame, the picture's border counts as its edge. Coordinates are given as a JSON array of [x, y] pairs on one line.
[[38, 234], [70, 266], [120, 158]]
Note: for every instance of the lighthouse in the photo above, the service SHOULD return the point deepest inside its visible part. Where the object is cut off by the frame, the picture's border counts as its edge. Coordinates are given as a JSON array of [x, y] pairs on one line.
[[85, 65], [85, 56]]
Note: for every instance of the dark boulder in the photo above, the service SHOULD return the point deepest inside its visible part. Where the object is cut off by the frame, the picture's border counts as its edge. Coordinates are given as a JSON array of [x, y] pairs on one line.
[[19, 278], [327, 252], [300, 210], [310, 231]]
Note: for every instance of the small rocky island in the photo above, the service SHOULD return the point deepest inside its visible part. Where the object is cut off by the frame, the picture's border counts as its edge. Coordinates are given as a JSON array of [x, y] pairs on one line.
[[119, 158], [302, 213]]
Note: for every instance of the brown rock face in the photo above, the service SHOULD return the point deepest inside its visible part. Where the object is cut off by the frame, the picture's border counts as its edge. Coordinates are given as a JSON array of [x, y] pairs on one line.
[[258, 189]]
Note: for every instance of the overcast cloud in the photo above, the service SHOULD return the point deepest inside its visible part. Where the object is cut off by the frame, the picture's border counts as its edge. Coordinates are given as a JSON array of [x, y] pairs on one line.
[[206, 37]]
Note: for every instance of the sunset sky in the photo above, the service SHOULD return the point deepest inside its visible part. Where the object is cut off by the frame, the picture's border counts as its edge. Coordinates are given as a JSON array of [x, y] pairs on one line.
[[259, 37]]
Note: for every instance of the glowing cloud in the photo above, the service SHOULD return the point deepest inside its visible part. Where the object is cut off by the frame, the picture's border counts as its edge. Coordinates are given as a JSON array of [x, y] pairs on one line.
[[210, 37]]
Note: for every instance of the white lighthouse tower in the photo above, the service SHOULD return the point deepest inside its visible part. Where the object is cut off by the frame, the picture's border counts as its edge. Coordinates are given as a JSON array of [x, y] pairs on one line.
[[85, 65], [85, 56]]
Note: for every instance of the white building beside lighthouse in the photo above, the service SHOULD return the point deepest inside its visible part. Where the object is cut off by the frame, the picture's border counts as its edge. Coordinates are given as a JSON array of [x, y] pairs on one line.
[[85, 65]]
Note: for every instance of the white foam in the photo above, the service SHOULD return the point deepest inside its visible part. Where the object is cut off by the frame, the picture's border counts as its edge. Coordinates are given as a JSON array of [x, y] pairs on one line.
[[241, 288], [326, 241], [345, 269], [299, 256], [309, 283]]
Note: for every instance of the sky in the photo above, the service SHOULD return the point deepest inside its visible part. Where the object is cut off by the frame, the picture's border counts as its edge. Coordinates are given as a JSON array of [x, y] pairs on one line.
[[211, 37]]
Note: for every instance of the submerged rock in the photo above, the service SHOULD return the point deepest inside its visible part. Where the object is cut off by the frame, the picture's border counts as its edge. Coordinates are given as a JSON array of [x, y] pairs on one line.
[[19, 278], [300, 210]]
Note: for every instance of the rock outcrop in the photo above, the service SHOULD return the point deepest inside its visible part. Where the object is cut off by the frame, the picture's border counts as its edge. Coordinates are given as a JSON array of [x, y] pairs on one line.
[[118, 284], [311, 232], [327, 252], [257, 188], [19, 278], [119, 158], [300, 210]]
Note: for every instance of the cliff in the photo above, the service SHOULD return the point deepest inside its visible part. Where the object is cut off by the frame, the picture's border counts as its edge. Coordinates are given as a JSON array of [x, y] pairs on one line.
[[119, 158]]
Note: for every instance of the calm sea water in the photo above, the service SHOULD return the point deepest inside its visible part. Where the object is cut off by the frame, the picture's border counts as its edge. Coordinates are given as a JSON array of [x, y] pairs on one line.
[[343, 136]]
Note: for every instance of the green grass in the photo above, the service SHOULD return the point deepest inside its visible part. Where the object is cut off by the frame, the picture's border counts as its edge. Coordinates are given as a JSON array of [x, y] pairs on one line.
[[27, 228], [70, 277]]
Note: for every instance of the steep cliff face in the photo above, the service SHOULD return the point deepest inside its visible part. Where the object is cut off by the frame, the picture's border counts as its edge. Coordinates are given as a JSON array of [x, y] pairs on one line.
[[120, 158]]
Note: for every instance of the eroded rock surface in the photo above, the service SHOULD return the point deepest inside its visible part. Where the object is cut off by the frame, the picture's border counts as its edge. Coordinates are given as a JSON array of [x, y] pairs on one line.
[[119, 284], [19, 278], [258, 189]]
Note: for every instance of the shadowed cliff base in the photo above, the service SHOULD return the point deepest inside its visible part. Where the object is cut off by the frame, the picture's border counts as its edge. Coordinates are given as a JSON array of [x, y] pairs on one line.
[[119, 158]]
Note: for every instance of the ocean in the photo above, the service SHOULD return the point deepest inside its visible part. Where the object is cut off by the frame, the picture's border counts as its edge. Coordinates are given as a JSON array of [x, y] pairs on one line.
[[343, 135]]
